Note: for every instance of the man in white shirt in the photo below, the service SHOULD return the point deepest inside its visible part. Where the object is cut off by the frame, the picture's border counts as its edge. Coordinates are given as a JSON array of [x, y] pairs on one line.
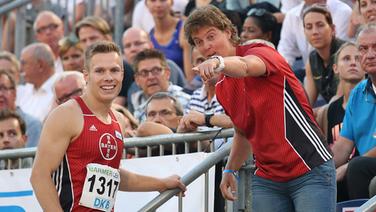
[[36, 96], [293, 43], [49, 29]]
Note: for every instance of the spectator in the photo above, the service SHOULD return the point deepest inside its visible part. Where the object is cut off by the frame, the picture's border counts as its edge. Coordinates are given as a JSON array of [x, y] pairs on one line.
[[359, 124], [152, 75], [143, 19], [260, 24], [363, 13], [9, 63], [36, 96], [134, 41], [293, 43], [167, 35], [320, 33], [347, 67], [12, 136], [71, 54], [367, 10], [92, 29], [8, 102], [68, 85], [163, 113], [49, 29]]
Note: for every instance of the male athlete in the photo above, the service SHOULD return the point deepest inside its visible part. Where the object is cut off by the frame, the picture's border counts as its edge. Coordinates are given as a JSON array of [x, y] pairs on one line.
[[77, 162]]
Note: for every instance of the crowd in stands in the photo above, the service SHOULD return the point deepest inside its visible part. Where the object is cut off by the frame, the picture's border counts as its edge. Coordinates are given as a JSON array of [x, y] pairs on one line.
[[161, 94]]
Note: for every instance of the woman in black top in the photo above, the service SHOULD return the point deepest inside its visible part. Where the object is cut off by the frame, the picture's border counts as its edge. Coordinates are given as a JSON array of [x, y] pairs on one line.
[[320, 33]]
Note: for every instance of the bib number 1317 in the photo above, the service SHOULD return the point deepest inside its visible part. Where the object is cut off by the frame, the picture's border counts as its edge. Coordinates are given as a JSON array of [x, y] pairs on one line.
[[100, 187], [103, 185]]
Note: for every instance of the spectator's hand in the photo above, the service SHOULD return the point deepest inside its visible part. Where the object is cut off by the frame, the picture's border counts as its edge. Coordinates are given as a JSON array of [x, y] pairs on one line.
[[228, 186], [192, 120], [173, 182], [130, 133], [341, 172]]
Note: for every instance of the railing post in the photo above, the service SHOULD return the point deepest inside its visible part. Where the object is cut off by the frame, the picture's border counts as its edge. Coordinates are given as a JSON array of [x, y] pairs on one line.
[[90, 7], [20, 31], [3, 2], [119, 23], [244, 202]]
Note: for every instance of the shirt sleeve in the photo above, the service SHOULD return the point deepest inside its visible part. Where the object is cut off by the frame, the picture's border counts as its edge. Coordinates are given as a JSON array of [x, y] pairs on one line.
[[265, 53]]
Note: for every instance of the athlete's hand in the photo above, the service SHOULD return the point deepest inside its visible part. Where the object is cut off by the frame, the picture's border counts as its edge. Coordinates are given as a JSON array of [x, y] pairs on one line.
[[206, 68], [228, 186], [173, 182]]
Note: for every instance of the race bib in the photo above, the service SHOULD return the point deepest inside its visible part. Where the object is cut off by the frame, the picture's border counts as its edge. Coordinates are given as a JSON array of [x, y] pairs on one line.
[[101, 185]]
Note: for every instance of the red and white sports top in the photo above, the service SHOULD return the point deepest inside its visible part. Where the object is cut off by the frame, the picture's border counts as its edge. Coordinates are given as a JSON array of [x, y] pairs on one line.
[[276, 117], [98, 143]]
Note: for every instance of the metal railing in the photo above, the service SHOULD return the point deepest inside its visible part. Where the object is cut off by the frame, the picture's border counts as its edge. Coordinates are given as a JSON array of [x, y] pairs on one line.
[[139, 142], [187, 179], [173, 139], [369, 206]]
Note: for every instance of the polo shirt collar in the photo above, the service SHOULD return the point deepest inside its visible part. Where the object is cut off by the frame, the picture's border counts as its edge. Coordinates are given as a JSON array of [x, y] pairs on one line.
[[369, 88]]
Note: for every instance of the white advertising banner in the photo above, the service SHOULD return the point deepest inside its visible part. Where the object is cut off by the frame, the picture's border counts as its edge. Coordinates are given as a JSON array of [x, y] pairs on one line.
[[16, 193]]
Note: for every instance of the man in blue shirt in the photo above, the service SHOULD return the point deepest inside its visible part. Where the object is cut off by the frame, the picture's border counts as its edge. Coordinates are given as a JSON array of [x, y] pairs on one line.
[[359, 125]]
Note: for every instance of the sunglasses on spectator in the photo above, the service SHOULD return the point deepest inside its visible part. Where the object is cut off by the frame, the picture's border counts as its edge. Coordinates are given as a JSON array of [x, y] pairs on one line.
[[256, 12], [155, 71], [44, 29]]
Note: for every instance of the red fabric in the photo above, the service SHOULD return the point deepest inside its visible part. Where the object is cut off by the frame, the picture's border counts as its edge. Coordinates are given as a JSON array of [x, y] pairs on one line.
[[86, 149], [256, 106]]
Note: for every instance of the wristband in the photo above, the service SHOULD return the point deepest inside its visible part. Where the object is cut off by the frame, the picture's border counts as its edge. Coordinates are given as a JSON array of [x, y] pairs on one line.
[[233, 172]]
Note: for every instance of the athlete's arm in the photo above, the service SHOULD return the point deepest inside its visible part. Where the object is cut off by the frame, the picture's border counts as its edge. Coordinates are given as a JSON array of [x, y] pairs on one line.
[[130, 181], [58, 130], [240, 151]]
